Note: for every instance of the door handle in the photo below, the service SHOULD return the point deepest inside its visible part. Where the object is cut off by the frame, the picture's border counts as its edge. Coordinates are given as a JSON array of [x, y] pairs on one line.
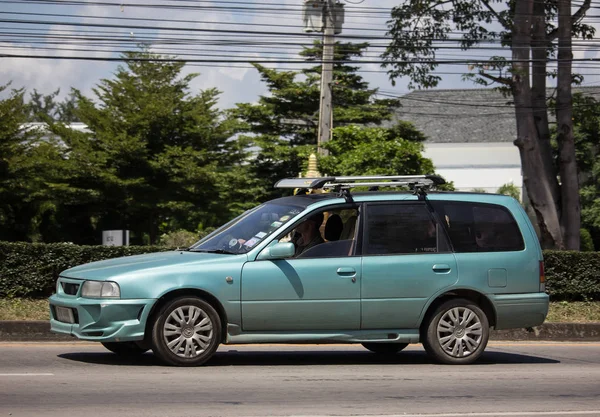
[[441, 268], [346, 272]]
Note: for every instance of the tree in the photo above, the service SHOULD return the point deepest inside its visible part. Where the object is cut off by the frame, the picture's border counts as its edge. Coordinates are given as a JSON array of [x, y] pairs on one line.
[[45, 107], [283, 124], [418, 28], [25, 163], [360, 150], [586, 119], [156, 158]]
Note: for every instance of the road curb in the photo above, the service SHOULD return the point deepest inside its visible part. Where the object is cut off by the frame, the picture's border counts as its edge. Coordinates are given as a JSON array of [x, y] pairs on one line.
[[567, 332], [21, 331]]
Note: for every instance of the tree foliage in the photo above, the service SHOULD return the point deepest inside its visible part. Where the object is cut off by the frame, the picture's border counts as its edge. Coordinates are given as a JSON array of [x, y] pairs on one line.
[[26, 161], [44, 107], [586, 118], [155, 158], [511, 190], [359, 150]]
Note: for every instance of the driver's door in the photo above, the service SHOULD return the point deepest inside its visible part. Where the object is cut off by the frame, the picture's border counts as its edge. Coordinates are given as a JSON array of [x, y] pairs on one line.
[[318, 291], [301, 294]]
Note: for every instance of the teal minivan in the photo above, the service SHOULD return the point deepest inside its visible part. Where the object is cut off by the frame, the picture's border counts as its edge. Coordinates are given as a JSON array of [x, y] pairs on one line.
[[383, 268]]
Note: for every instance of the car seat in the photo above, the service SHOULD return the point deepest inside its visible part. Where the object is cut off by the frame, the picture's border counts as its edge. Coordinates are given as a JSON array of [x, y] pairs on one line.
[[349, 227], [333, 228]]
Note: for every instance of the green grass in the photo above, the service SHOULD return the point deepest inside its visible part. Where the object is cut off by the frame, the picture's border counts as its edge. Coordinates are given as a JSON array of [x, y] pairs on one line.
[[562, 311], [23, 309], [574, 312]]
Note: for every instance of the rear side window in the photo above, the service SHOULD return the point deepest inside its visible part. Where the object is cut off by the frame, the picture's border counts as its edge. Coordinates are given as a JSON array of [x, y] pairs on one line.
[[399, 229], [479, 227]]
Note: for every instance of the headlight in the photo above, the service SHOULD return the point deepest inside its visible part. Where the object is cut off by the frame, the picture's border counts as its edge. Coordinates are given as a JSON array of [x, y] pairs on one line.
[[100, 289]]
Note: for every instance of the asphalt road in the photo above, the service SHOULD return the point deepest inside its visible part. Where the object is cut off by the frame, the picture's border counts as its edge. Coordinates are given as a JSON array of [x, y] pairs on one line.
[[513, 379]]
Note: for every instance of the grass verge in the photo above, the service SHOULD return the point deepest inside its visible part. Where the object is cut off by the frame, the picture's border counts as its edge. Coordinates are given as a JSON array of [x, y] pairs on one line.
[[561, 311]]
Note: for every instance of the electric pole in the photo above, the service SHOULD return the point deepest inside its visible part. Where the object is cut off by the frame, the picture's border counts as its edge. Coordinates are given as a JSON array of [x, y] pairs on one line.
[[325, 107], [325, 16]]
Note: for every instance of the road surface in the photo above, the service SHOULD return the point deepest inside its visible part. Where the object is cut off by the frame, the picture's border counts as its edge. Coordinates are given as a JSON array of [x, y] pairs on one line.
[[512, 379]]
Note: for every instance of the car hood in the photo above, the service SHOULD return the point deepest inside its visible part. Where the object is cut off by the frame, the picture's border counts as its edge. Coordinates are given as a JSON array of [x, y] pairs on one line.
[[110, 268]]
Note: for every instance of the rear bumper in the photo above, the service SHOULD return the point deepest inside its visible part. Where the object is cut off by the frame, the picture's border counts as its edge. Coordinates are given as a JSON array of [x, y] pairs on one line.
[[520, 310], [102, 320]]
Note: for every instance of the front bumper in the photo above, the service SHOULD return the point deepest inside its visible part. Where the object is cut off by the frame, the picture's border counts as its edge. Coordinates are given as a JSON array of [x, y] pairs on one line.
[[102, 320]]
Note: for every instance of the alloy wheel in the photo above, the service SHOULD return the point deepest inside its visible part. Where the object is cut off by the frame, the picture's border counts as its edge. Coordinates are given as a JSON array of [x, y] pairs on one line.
[[188, 331], [459, 332]]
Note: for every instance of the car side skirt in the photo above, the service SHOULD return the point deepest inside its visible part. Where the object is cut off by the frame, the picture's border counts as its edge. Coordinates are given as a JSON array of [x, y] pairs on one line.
[[236, 336]]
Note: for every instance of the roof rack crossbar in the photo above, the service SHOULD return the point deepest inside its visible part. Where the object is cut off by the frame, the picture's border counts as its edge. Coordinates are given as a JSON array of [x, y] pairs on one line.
[[369, 184], [413, 181]]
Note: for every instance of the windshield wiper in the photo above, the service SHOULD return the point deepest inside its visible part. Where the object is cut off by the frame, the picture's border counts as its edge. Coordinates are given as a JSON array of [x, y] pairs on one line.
[[221, 251]]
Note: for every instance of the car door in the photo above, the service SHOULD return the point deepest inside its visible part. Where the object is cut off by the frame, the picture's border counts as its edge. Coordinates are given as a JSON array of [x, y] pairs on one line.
[[406, 260], [320, 290]]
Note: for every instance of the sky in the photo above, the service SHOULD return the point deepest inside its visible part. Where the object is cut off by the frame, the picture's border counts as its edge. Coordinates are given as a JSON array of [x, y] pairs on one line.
[[103, 28]]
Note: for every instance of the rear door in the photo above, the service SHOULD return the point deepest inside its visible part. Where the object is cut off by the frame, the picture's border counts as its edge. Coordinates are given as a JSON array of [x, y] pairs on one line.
[[490, 247], [406, 260]]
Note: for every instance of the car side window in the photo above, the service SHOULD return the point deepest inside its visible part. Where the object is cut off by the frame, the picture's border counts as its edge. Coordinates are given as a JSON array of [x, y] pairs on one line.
[[334, 236], [480, 227], [400, 229]]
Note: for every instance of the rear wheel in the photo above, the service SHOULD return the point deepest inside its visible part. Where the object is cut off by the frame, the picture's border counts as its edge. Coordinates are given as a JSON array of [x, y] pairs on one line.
[[385, 348], [186, 332], [125, 349], [457, 332]]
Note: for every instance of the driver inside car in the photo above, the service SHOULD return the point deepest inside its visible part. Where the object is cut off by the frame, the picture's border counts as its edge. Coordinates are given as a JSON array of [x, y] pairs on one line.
[[307, 234]]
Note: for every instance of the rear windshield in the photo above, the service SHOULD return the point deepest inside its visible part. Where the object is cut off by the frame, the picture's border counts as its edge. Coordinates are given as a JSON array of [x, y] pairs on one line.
[[479, 227]]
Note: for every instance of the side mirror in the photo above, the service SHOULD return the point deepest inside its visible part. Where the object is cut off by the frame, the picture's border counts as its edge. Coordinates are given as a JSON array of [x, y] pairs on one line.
[[278, 251]]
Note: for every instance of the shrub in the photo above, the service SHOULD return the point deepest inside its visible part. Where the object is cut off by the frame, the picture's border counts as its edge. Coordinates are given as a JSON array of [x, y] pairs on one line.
[[31, 269], [179, 239], [572, 276], [511, 190]]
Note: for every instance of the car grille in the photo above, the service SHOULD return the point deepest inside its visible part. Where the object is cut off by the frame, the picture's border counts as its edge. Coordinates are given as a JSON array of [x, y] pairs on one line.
[[70, 288]]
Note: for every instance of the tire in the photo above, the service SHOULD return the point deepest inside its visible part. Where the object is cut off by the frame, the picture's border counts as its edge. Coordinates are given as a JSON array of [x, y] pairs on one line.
[[186, 332], [125, 349], [385, 348], [457, 332]]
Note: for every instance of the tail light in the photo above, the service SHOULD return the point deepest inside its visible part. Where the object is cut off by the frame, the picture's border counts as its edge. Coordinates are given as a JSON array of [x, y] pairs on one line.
[[542, 277]]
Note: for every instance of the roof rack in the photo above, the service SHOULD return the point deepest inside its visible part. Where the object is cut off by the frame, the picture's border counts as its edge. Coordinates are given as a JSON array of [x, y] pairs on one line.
[[417, 183]]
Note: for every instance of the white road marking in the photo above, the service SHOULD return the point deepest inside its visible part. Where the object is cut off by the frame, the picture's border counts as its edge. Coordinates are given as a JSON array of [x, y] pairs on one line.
[[26, 375], [490, 414]]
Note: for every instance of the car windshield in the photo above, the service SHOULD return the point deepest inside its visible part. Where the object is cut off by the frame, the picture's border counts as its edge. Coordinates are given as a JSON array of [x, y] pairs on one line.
[[248, 230]]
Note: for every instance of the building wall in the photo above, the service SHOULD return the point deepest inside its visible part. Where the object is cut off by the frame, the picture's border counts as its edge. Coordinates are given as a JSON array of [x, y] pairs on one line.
[[477, 165]]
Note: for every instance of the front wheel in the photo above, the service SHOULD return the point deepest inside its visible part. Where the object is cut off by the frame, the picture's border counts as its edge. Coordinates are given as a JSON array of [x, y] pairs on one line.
[[457, 332], [125, 349], [385, 348], [186, 332]]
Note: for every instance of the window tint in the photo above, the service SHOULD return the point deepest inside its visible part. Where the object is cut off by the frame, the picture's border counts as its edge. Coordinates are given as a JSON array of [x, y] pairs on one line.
[[399, 228], [478, 227]]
